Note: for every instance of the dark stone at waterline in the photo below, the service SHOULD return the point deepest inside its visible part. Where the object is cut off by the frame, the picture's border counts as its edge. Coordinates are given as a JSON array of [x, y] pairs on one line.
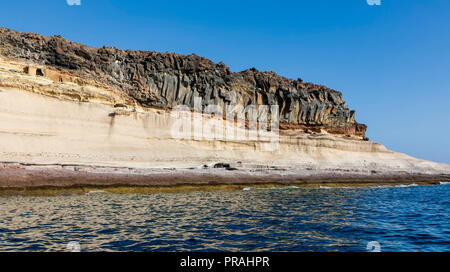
[[222, 165]]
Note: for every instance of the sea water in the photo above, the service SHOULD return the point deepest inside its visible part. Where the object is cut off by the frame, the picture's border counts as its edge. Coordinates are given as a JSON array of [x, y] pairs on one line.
[[414, 218]]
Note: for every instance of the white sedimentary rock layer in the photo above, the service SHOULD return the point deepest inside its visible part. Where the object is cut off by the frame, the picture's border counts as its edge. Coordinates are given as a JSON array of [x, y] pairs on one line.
[[40, 129]]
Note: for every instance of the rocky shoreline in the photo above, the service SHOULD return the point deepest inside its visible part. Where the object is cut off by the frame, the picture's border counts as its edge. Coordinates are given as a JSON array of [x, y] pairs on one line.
[[20, 175]]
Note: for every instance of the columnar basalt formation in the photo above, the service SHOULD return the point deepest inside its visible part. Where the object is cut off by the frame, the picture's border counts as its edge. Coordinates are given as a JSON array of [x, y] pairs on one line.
[[165, 80]]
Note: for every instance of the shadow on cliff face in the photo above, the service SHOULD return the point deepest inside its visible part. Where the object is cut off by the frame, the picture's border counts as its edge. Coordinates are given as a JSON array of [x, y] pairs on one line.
[[111, 123]]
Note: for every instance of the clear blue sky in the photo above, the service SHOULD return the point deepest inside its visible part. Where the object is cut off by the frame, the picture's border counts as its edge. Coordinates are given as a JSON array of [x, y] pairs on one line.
[[392, 62]]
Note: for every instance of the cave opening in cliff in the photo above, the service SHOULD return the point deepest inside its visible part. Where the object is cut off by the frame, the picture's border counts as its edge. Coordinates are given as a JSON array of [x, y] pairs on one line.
[[39, 72]]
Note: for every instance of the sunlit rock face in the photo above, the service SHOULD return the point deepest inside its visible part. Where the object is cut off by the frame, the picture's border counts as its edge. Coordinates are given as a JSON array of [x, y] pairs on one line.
[[165, 80]]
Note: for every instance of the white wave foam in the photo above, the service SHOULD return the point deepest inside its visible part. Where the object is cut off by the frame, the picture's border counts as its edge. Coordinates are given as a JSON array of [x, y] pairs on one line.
[[444, 183], [406, 185], [95, 192], [284, 188], [272, 188], [343, 187]]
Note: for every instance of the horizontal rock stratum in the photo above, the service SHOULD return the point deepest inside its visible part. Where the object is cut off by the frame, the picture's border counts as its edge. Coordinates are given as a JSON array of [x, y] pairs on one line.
[[77, 115]]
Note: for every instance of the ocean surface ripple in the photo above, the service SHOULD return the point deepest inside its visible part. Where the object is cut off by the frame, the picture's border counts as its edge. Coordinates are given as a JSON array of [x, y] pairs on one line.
[[413, 218]]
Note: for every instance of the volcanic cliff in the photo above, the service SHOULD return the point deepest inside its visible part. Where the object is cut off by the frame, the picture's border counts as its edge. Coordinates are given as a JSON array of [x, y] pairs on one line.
[[76, 115], [165, 80]]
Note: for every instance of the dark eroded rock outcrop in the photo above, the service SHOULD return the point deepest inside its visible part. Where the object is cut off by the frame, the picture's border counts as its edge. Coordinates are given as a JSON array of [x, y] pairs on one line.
[[165, 80]]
